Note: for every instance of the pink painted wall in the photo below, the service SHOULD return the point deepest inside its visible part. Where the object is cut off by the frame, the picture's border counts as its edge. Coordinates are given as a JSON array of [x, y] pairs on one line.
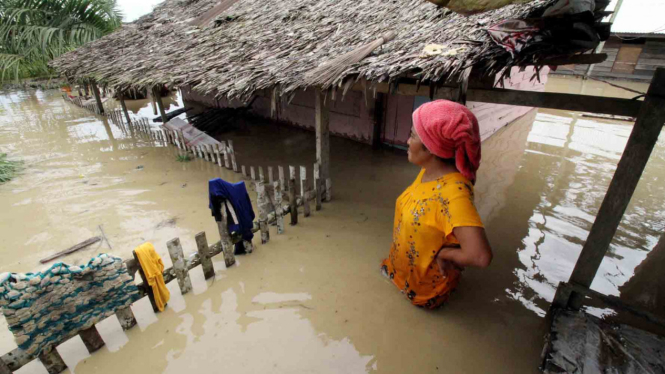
[[350, 117]]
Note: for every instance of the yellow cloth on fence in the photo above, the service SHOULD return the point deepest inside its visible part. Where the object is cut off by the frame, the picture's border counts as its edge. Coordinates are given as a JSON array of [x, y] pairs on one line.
[[153, 267]]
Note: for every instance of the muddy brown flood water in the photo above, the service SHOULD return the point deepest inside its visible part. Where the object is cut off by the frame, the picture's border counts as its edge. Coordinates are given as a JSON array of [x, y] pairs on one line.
[[313, 300]]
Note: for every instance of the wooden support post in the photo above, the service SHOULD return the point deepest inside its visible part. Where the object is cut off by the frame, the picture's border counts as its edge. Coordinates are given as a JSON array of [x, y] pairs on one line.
[[271, 177], [232, 154], [225, 152], [249, 247], [199, 152], [52, 361], [157, 95], [376, 111], [279, 217], [204, 255], [638, 149], [261, 175], [218, 155], [292, 196], [282, 183], [206, 152], [91, 339], [225, 238], [323, 137], [304, 190], [98, 100], [126, 317], [328, 190], [318, 189], [262, 201], [252, 173], [179, 265], [146, 285], [244, 171]]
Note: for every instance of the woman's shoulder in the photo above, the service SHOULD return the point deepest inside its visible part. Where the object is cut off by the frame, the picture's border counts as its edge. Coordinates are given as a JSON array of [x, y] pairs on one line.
[[456, 185]]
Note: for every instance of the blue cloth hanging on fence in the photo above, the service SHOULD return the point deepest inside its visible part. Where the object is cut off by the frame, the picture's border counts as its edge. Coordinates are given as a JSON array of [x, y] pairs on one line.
[[236, 193]]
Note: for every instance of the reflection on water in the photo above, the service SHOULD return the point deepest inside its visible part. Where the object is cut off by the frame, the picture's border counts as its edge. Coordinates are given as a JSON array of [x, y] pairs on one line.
[[312, 299], [562, 179]]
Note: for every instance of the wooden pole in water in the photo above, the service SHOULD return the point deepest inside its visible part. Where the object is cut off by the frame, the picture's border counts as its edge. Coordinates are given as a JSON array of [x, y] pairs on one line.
[[126, 317], [303, 191], [292, 196], [232, 153], [323, 137], [157, 95], [278, 208], [225, 151], [225, 239], [271, 178], [146, 285], [219, 157], [179, 265], [252, 173], [121, 96], [52, 361], [204, 255], [261, 199], [91, 339], [98, 100], [244, 171], [261, 176], [635, 156], [317, 185], [282, 183]]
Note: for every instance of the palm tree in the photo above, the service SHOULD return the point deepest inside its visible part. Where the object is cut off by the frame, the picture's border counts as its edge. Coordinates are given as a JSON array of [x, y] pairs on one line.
[[33, 32]]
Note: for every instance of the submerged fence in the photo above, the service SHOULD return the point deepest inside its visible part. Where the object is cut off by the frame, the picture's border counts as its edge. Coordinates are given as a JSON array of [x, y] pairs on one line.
[[272, 210]]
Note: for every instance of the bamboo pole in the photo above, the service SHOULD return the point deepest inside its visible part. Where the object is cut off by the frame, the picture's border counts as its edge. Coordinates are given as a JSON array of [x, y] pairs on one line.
[[204, 255], [179, 265]]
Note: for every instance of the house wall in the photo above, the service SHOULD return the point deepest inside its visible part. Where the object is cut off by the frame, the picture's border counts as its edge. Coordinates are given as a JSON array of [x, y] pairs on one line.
[[632, 58], [353, 118]]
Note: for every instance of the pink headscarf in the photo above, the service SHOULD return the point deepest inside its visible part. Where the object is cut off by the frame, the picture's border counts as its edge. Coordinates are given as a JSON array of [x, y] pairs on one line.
[[448, 130]]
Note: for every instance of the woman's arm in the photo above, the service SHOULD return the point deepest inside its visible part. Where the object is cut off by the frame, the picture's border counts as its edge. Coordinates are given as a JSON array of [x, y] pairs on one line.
[[474, 249]]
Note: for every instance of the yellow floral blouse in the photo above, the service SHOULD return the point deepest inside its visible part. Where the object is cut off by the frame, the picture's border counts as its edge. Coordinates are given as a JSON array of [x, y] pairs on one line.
[[425, 215]]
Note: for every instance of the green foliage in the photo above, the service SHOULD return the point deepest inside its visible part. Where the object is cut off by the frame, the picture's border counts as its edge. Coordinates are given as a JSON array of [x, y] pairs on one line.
[[8, 168], [33, 32], [184, 158]]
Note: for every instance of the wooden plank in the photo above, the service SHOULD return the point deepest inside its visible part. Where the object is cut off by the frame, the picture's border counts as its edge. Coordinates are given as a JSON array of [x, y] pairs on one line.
[[72, 249], [638, 149], [179, 265], [322, 125], [262, 202], [232, 154], [551, 100], [52, 361], [304, 191], [225, 239], [318, 188], [4, 369], [91, 339], [204, 255]]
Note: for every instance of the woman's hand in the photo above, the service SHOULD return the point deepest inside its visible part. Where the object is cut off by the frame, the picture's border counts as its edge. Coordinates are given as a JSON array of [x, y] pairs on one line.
[[444, 264], [474, 249]]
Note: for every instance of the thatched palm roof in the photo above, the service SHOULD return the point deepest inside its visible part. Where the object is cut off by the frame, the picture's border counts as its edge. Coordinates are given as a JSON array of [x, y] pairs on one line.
[[259, 44]]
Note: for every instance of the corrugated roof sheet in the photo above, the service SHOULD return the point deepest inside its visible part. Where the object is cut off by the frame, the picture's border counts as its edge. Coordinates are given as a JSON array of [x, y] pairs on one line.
[[640, 17]]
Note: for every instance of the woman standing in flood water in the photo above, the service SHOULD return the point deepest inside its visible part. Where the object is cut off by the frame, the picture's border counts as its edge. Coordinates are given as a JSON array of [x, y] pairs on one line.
[[437, 230]]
